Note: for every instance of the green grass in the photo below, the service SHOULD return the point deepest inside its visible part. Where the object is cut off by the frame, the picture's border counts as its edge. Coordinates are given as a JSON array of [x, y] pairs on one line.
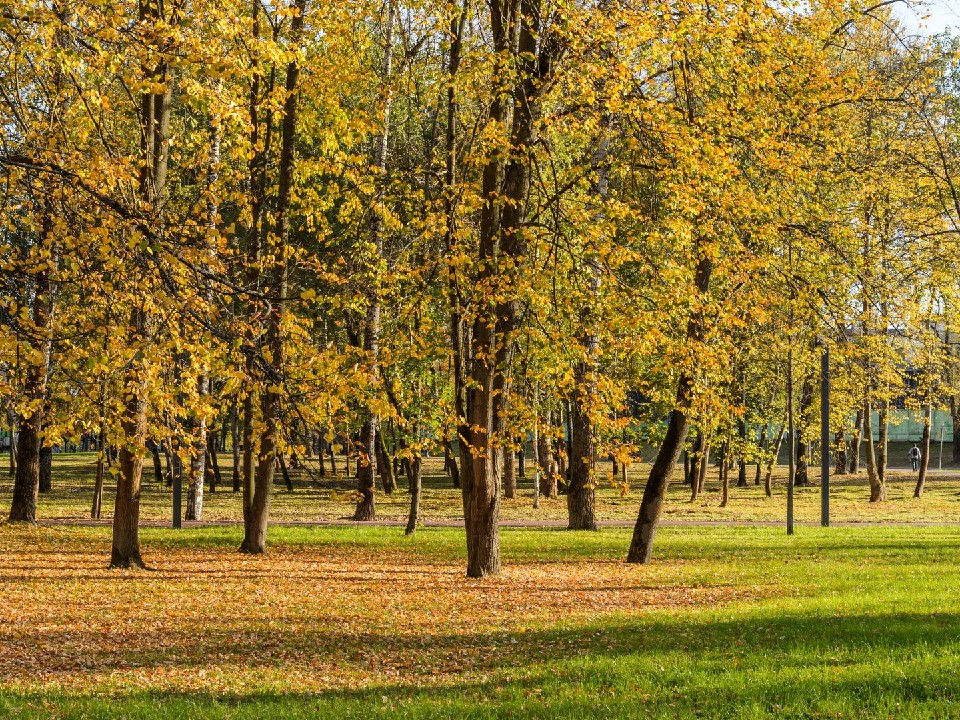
[[362, 622]]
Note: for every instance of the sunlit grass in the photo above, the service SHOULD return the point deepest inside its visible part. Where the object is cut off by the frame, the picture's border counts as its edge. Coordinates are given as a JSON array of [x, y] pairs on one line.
[[729, 622]]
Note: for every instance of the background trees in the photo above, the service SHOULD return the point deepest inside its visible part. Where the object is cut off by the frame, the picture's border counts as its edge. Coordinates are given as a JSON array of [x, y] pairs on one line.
[[388, 228]]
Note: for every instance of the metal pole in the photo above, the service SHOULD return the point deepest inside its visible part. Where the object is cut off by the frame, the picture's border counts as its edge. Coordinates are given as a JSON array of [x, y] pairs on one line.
[[825, 438], [791, 445]]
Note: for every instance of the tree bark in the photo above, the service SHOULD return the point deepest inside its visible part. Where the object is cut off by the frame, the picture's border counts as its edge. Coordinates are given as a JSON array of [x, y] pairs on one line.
[[415, 483], [924, 450], [840, 453], [97, 504], [772, 462], [212, 449], [509, 472], [878, 492], [651, 506], [855, 443], [46, 468], [256, 517], [801, 476], [385, 466], [883, 419], [761, 446], [125, 551]]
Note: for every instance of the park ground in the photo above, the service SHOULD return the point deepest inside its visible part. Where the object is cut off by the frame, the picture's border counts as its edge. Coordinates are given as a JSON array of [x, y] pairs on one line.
[[730, 621]]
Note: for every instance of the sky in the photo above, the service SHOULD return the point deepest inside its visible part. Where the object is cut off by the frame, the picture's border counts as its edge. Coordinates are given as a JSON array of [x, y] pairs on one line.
[[933, 16]]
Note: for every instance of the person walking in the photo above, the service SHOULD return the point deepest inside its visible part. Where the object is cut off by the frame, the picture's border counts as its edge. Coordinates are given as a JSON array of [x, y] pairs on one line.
[[915, 457]]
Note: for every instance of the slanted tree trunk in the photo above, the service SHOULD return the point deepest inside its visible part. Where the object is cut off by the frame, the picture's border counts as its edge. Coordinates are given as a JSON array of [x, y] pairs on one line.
[[283, 471], [452, 465], [924, 450], [212, 449], [725, 461], [772, 462], [157, 463], [651, 506], [878, 492], [385, 466]]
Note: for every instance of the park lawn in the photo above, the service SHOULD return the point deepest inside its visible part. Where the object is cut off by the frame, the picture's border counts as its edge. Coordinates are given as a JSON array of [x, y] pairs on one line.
[[738, 622], [322, 499]]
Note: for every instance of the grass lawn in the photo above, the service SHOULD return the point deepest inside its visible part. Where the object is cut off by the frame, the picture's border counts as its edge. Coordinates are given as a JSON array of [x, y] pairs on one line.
[[731, 622]]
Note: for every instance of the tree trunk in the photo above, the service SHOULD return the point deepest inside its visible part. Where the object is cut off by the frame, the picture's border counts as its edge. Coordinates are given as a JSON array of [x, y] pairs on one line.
[[97, 504], [924, 450], [883, 419], [235, 445], [651, 506], [256, 517], [46, 468], [385, 466], [126, 512], [725, 475], [548, 464], [840, 453], [801, 476], [855, 443], [772, 462], [212, 451], [741, 460], [581, 496], [366, 509], [415, 483], [452, 463], [509, 472], [26, 483], [25, 459], [761, 446], [283, 471], [955, 414], [13, 443], [878, 492]]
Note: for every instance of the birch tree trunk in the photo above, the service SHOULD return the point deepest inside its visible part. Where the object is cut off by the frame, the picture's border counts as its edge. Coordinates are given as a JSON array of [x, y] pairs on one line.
[[366, 506]]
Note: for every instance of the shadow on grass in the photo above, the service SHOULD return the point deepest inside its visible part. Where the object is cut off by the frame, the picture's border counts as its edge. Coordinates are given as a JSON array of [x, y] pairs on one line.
[[895, 664]]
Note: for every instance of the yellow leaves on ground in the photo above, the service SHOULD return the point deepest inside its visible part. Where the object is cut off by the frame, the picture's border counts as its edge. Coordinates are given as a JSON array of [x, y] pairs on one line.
[[208, 619]]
